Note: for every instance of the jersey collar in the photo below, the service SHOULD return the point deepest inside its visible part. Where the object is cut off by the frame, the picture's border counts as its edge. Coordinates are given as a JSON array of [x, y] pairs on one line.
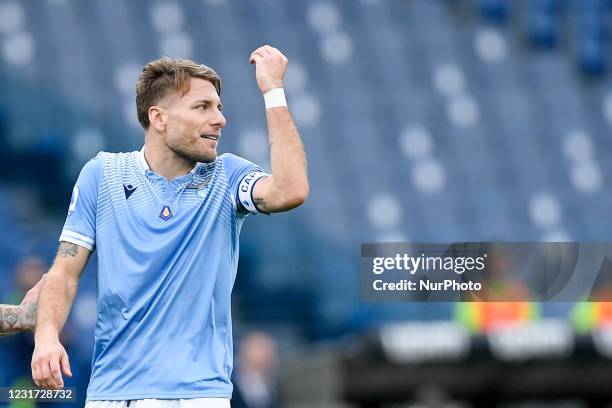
[[145, 165], [143, 162]]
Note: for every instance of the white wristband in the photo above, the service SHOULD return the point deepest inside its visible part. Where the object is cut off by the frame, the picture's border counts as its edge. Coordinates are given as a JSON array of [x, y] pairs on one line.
[[275, 98]]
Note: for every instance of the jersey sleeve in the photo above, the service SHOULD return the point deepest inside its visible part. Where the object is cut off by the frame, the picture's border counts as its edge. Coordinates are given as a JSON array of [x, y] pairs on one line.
[[80, 225], [243, 175]]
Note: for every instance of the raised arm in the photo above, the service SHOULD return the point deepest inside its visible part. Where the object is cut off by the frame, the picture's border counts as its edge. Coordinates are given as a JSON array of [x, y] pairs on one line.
[[14, 319], [56, 298], [287, 187]]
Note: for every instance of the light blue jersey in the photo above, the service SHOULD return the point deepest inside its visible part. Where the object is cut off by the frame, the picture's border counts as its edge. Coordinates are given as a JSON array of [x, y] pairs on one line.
[[167, 260]]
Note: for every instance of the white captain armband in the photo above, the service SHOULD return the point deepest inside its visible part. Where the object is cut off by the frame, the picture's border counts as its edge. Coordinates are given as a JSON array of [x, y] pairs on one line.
[[245, 191]]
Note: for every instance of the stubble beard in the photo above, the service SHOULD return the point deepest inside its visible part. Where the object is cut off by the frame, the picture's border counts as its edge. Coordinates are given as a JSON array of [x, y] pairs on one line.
[[190, 153]]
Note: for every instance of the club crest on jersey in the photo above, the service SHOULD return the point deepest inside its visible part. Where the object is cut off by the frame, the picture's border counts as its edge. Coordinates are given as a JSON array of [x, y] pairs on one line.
[[165, 213], [201, 187]]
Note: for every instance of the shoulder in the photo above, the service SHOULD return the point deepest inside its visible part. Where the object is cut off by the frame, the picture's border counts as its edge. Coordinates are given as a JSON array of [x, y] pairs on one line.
[[104, 157], [95, 165], [232, 163], [115, 157], [120, 161], [101, 162]]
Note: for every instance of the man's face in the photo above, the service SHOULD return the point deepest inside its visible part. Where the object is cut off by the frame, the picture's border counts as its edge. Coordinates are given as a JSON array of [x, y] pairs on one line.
[[194, 122]]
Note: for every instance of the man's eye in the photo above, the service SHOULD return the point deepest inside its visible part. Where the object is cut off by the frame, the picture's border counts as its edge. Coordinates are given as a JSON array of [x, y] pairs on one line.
[[201, 107]]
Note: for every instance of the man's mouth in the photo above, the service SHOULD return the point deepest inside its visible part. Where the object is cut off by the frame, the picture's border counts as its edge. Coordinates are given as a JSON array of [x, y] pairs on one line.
[[210, 137]]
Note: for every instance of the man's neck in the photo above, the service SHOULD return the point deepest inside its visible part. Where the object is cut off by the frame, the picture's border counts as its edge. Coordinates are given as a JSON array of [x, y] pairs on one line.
[[165, 162]]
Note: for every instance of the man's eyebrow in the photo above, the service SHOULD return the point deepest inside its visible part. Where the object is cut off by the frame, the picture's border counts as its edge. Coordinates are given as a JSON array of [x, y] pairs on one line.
[[205, 101]]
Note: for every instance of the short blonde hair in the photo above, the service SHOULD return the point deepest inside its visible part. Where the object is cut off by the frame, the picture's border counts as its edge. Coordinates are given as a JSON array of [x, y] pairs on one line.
[[167, 76]]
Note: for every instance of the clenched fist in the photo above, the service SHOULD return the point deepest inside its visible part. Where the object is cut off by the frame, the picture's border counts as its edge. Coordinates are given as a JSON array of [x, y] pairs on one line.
[[270, 67]]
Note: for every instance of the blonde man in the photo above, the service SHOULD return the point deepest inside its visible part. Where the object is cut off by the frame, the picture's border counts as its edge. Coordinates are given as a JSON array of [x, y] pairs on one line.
[[165, 222]]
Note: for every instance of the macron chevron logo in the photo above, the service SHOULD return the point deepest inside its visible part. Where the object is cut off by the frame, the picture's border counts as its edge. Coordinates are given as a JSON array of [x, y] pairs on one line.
[[129, 190]]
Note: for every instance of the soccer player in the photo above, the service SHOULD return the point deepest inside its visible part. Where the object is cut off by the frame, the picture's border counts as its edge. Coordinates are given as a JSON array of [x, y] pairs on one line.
[[15, 319], [165, 222]]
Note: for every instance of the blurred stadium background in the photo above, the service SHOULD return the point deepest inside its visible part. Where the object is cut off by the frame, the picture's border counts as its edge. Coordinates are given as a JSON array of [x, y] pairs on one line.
[[423, 120]]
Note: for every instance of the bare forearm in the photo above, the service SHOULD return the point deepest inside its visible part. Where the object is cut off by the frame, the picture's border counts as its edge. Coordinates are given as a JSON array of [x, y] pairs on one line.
[[288, 186], [14, 319], [287, 155], [56, 299]]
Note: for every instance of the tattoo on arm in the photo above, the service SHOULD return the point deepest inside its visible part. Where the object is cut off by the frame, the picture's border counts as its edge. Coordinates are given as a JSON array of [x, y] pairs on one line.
[[68, 249], [11, 318], [261, 204], [15, 319], [28, 316]]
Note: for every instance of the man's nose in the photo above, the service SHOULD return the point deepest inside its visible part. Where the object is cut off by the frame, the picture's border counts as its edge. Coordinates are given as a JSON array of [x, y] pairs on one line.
[[218, 120]]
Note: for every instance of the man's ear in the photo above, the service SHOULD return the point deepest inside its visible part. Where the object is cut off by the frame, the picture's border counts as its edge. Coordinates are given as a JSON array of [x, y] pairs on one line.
[[158, 117]]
